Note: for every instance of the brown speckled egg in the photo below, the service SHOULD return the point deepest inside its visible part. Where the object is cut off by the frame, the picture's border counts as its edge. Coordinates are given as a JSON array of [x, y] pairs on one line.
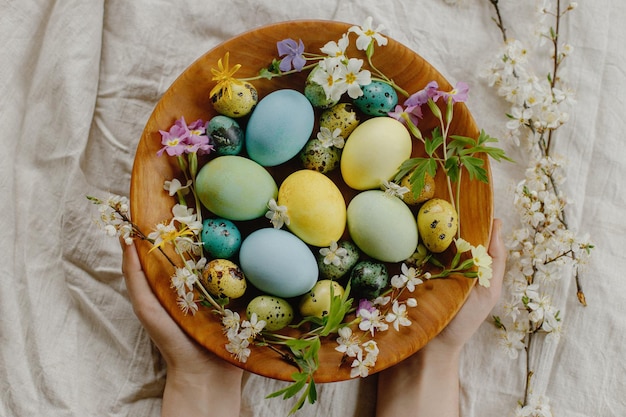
[[239, 103], [224, 278], [318, 157], [340, 116], [428, 191]]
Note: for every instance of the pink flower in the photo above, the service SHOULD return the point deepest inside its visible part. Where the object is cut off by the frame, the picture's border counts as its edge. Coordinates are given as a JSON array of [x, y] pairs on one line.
[[183, 138], [458, 94], [414, 113], [174, 141]]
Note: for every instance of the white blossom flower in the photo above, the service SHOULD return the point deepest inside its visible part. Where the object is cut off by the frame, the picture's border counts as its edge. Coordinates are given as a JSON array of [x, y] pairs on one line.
[[337, 50], [328, 75], [251, 328], [348, 342], [277, 214], [329, 139], [333, 254], [462, 245], [231, 322], [398, 316], [392, 189], [511, 342], [367, 34], [174, 186], [360, 367], [408, 278], [371, 321], [239, 348], [352, 77], [187, 303]]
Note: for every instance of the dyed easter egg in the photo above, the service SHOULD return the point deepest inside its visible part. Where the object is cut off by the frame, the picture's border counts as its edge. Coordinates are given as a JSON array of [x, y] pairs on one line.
[[378, 99], [316, 303], [235, 188], [320, 158], [220, 238], [315, 93], [437, 222], [374, 152], [223, 278], [238, 100], [226, 135], [382, 226], [315, 206], [278, 263], [368, 279], [336, 267], [275, 311], [340, 116], [279, 127]]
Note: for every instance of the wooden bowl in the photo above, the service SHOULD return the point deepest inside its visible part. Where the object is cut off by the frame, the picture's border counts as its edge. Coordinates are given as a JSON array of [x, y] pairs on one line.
[[439, 300]]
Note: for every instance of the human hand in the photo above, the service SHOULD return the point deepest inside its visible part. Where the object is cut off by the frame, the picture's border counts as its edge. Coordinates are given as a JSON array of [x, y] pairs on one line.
[[198, 382], [479, 303]]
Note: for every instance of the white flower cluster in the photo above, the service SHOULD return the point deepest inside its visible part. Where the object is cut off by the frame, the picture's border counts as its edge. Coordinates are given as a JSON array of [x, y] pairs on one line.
[[543, 244], [115, 217], [338, 73], [376, 316], [240, 333]]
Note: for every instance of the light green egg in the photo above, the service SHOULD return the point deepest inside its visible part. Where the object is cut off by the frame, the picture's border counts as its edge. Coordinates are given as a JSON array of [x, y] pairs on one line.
[[382, 226], [235, 188]]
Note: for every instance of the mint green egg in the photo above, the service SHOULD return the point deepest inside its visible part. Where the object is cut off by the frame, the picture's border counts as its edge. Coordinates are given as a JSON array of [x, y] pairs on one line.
[[382, 226], [235, 188]]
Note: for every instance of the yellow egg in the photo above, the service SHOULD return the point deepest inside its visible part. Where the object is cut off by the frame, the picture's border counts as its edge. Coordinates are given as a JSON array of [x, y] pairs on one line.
[[428, 190], [315, 206], [373, 152], [224, 278], [437, 223], [341, 116], [240, 102], [316, 303]]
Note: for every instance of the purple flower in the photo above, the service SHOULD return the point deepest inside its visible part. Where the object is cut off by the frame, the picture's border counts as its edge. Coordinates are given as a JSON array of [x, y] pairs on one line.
[[422, 96], [458, 94], [414, 113], [292, 52], [174, 141], [365, 304], [183, 138]]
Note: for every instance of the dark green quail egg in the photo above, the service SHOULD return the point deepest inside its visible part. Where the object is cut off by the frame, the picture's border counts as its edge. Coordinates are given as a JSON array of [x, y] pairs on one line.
[[336, 267], [368, 279], [226, 135], [316, 94], [276, 312]]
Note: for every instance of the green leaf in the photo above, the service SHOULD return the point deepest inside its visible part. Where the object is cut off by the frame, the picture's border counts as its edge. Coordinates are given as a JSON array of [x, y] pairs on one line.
[[452, 168], [406, 167], [475, 168], [431, 145]]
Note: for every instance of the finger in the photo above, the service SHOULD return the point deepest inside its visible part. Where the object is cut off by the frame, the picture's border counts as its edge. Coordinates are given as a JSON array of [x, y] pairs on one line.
[[497, 251]]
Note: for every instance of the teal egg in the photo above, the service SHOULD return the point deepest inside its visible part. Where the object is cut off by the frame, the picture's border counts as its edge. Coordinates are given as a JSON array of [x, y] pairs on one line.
[[368, 279], [220, 238], [279, 127], [378, 99], [226, 135]]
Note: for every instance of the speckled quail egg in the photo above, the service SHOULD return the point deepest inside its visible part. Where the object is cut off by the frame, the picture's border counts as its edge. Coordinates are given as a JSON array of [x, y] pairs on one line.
[[437, 223], [316, 303], [238, 100], [340, 116], [336, 267], [428, 190], [315, 92], [318, 157], [378, 99], [368, 279], [224, 278], [275, 311]]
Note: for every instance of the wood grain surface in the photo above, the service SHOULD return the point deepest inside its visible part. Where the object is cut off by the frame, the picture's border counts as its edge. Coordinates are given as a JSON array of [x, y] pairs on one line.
[[188, 96]]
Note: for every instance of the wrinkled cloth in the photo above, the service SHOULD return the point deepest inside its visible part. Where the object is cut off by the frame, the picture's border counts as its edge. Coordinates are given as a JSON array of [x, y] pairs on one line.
[[79, 80]]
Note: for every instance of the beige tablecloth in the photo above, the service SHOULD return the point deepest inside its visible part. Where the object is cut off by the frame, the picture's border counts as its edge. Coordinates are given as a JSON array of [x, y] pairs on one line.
[[79, 79]]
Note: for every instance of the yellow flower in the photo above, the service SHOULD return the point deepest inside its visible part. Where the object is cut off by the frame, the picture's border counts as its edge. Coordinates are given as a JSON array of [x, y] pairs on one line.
[[224, 76]]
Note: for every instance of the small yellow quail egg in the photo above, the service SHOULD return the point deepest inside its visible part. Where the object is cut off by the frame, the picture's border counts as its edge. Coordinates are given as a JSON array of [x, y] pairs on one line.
[[428, 190], [240, 102], [437, 223], [224, 278], [316, 303]]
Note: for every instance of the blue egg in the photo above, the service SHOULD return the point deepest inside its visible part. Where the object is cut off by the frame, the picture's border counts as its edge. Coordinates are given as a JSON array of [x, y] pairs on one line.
[[226, 135], [278, 263], [378, 99], [221, 239], [279, 127]]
